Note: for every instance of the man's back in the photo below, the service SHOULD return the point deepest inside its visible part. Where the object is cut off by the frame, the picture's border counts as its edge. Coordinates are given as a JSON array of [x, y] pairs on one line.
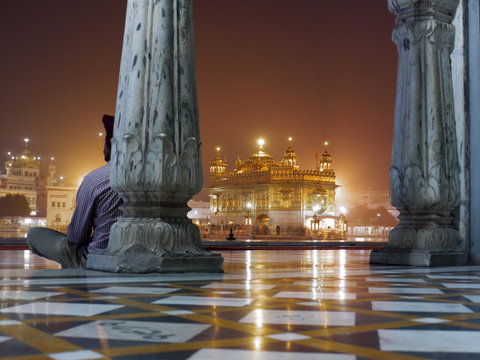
[[97, 208]]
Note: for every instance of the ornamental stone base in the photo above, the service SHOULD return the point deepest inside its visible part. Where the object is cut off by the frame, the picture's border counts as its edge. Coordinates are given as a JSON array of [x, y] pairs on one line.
[[427, 245], [417, 258], [154, 246]]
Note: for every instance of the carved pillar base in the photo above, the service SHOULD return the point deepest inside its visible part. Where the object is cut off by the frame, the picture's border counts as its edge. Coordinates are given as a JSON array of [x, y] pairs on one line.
[[427, 244], [152, 245], [417, 258]]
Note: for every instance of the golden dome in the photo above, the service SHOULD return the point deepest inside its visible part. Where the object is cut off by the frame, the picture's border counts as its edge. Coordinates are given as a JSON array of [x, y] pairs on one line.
[[25, 159], [260, 161]]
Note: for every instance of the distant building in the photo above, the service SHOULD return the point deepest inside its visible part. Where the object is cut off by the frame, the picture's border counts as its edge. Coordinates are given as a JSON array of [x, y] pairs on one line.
[[265, 197], [371, 199], [36, 179], [200, 215], [25, 176], [60, 206]]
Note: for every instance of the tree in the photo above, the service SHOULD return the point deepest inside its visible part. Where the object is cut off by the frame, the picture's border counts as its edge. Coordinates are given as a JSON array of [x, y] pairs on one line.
[[14, 205]]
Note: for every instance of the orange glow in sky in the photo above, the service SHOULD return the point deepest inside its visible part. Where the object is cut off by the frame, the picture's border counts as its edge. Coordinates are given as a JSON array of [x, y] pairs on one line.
[[315, 70]]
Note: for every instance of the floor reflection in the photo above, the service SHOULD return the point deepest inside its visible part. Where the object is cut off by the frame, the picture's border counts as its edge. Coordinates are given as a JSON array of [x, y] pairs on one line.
[[268, 305]]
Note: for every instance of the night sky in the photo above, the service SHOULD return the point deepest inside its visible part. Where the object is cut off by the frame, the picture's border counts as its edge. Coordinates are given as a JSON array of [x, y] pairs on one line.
[[315, 70]]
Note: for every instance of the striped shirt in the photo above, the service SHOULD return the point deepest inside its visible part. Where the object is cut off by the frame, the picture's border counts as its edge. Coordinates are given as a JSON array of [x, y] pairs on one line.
[[96, 211]]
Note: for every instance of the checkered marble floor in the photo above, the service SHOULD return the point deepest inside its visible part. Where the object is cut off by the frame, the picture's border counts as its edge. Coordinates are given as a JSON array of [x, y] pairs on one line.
[[268, 305]]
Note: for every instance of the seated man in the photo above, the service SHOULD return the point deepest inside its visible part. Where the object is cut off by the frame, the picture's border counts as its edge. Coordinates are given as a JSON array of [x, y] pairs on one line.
[[97, 210]]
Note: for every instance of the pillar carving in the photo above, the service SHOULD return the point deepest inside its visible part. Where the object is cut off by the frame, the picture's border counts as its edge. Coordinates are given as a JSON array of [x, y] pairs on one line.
[[424, 176], [156, 155]]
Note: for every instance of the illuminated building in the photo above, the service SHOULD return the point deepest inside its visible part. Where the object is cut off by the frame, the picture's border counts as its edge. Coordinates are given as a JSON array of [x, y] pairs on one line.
[[24, 176], [265, 197], [60, 204], [31, 176]]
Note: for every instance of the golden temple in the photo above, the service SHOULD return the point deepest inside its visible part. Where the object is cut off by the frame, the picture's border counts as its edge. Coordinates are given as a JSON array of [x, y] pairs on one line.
[[265, 197]]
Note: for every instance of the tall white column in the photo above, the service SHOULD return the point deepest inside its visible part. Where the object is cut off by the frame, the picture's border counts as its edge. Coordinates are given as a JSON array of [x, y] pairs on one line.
[[424, 176], [156, 158], [473, 11]]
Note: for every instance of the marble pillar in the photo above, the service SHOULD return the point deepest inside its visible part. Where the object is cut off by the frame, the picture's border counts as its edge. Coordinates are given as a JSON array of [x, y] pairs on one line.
[[424, 175], [473, 13], [156, 157]]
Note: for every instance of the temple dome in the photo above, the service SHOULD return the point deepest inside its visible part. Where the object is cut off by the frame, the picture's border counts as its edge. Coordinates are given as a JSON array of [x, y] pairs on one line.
[[25, 159], [260, 161]]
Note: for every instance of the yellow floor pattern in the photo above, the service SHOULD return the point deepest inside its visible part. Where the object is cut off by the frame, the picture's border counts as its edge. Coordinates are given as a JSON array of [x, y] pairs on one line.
[[268, 305]]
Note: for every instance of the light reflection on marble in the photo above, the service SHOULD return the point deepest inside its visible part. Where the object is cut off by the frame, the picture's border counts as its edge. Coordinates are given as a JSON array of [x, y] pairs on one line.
[[4, 338], [415, 306], [430, 320], [434, 341], [204, 301], [454, 277], [245, 286], [396, 280], [9, 322], [263, 309], [230, 354], [294, 317], [473, 298], [136, 331], [288, 337], [337, 295], [389, 290], [76, 355], [26, 295], [57, 308], [135, 290], [461, 286], [325, 283]]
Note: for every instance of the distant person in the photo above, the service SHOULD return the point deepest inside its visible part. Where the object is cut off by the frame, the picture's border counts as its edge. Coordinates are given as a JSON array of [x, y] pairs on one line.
[[96, 211]]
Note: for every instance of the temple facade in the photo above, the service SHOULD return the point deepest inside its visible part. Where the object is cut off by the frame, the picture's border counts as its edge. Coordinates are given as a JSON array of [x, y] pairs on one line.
[[25, 175], [35, 178], [263, 196]]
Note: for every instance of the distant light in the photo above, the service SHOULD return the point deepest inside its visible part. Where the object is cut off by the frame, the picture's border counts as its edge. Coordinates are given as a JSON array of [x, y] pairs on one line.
[[261, 142], [326, 143], [28, 221], [38, 157], [378, 214], [290, 138], [52, 158], [249, 205], [343, 210], [61, 177], [218, 148], [33, 213], [100, 134], [9, 153], [27, 140]]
